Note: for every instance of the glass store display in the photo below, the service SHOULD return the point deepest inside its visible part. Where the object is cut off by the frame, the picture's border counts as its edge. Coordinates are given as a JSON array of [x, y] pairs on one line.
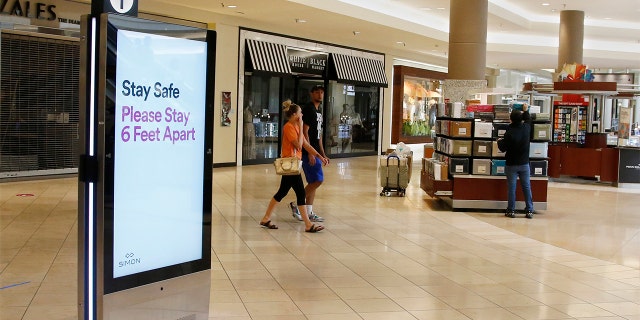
[[416, 94], [419, 106], [261, 117]]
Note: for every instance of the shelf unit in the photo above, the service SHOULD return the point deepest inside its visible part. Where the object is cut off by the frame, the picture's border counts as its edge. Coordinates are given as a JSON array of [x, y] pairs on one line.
[[482, 185]]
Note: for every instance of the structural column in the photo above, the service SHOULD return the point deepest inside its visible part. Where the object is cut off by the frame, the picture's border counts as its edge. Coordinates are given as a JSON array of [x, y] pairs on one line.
[[571, 37], [468, 39]]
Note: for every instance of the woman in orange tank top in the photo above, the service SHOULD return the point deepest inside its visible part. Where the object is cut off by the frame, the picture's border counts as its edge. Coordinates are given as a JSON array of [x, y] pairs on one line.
[[292, 143]]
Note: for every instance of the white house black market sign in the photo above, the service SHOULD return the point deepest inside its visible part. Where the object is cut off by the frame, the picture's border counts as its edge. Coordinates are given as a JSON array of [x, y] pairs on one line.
[[28, 9], [306, 62]]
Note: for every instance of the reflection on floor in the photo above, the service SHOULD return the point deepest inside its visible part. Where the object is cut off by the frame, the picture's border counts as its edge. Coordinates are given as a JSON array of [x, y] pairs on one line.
[[379, 258]]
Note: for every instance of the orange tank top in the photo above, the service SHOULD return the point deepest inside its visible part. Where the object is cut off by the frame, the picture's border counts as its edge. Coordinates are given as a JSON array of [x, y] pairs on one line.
[[290, 133]]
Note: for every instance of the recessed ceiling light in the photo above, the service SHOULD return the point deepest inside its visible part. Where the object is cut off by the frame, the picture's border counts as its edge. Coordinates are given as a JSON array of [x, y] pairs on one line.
[[425, 9], [440, 8], [553, 10], [546, 4], [402, 43], [607, 18], [301, 20], [232, 6], [355, 33]]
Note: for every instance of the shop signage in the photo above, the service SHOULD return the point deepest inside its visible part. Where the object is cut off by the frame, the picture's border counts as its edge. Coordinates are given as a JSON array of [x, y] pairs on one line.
[[126, 7], [629, 169], [307, 62], [28, 9]]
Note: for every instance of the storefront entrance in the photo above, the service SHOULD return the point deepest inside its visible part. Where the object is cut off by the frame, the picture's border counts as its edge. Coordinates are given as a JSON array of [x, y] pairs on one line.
[[350, 115], [263, 115], [284, 68]]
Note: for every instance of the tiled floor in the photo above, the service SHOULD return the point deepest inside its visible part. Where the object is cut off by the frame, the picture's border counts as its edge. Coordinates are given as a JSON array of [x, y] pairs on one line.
[[379, 258]]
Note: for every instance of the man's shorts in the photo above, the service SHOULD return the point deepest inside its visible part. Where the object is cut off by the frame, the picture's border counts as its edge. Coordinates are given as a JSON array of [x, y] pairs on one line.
[[312, 173]]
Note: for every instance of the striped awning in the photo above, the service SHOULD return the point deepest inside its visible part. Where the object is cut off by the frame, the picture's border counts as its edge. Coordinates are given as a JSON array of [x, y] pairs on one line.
[[357, 70], [267, 57]]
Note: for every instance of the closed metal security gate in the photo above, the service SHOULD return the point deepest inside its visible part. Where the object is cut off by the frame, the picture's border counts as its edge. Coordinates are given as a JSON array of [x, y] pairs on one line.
[[38, 104]]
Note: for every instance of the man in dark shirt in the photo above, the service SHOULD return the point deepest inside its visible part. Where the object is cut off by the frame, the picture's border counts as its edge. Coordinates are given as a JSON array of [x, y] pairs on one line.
[[516, 145], [312, 166]]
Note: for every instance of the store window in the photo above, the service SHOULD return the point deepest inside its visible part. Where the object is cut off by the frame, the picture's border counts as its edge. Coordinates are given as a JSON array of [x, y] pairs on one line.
[[416, 93], [352, 119], [38, 104], [262, 115]]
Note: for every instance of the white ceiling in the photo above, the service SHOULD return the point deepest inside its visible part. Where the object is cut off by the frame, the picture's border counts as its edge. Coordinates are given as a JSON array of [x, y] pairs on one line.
[[522, 34]]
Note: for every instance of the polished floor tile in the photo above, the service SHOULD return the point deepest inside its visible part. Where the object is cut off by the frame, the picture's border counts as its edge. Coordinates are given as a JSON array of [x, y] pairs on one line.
[[379, 258]]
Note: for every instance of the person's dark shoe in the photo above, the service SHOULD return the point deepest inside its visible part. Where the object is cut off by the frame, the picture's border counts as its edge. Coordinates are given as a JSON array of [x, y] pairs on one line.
[[510, 213], [528, 214]]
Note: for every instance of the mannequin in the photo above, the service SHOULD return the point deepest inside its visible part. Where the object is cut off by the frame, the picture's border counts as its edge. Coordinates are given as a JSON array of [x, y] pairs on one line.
[[357, 130], [344, 128], [355, 117], [249, 136]]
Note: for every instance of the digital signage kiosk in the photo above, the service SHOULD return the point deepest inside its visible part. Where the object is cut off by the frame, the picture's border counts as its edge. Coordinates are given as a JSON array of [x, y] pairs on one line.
[[145, 174]]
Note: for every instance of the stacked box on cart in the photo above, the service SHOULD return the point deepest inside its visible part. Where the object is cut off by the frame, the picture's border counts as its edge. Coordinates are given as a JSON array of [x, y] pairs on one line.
[[538, 168], [458, 166], [482, 148], [394, 173], [482, 167], [498, 167]]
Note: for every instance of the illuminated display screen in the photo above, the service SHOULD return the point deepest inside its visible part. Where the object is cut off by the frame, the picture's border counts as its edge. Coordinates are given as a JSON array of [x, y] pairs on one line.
[[160, 99], [158, 193]]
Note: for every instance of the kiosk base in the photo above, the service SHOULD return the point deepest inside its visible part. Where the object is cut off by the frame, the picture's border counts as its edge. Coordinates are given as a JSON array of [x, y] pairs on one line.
[[181, 298]]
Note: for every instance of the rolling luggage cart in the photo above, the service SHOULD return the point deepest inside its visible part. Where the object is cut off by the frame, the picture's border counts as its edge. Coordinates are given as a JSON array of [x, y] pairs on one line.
[[394, 175]]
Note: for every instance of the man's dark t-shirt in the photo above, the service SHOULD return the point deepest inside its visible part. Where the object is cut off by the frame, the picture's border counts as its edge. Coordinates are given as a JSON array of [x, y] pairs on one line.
[[312, 118]]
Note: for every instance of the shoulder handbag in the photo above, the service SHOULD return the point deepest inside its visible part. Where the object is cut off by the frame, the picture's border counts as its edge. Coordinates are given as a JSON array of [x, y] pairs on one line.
[[288, 166]]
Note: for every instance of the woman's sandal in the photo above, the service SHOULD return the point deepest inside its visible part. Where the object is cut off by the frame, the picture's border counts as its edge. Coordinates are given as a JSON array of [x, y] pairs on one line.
[[268, 225], [314, 228]]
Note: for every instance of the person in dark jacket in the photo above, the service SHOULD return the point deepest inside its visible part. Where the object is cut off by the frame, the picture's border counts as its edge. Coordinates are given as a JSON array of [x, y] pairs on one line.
[[516, 145]]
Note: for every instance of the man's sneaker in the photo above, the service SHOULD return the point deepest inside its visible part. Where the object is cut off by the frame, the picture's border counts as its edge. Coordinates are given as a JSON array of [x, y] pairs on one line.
[[315, 218], [294, 211], [528, 214], [510, 213]]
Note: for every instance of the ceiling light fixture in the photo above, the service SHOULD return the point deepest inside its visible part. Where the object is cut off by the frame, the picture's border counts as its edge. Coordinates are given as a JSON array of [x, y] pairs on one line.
[[402, 43], [355, 33], [301, 20], [440, 8], [232, 6], [546, 4]]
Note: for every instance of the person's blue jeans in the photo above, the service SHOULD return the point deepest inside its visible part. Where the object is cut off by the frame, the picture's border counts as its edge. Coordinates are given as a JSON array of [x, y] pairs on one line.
[[513, 173]]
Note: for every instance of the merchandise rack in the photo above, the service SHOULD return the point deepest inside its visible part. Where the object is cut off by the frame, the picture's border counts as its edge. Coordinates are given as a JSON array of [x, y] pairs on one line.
[[476, 191]]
